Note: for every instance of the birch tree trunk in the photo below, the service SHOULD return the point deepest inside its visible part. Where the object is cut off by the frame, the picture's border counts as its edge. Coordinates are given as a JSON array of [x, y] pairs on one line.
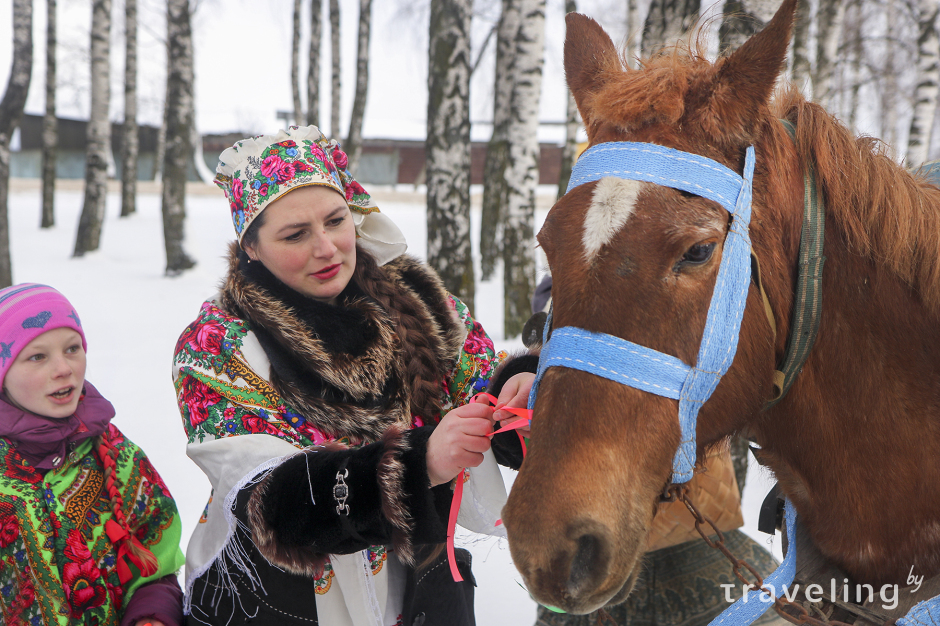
[[130, 146], [889, 90], [855, 31], [295, 65], [801, 75], [829, 20], [572, 121], [353, 145], [11, 110], [50, 127], [740, 20], [180, 114], [634, 32], [313, 71], [448, 147], [495, 191], [667, 21], [159, 151], [522, 175], [336, 68], [99, 132], [928, 80]]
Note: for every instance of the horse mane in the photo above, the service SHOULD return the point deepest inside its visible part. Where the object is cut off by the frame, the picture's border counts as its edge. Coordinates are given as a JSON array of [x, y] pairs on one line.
[[886, 213]]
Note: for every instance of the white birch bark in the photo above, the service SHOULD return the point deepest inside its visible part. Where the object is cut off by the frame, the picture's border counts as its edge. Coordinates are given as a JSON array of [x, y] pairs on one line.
[[336, 68], [801, 72], [353, 144], [855, 32], [11, 110], [889, 89], [572, 121], [448, 147], [741, 19], [180, 116], [829, 34], [634, 30], [313, 69], [928, 82], [522, 176], [667, 22], [130, 145], [295, 65], [495, 192], [50, 127], [98, 139]]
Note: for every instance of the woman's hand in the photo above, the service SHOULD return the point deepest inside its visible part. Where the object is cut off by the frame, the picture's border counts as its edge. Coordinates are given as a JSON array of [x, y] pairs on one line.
[[459, 441], [514, 394]]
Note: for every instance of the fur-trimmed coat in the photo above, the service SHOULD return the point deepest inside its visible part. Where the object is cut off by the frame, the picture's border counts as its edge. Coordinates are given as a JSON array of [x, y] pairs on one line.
[[296, 373]]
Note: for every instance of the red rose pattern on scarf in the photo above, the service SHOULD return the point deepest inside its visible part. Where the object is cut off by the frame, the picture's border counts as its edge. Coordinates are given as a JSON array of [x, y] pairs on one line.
[[74, 561]]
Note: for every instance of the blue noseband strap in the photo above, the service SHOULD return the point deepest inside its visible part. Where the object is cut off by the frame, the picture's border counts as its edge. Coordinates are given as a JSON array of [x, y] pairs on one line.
[[630, 364]]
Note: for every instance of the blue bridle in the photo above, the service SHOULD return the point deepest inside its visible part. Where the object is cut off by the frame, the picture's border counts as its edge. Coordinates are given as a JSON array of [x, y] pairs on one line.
[[637, 366]]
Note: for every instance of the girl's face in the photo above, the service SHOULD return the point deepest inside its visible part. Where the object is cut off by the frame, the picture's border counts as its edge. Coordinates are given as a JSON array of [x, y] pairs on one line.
[[308, 241], [48, 374]]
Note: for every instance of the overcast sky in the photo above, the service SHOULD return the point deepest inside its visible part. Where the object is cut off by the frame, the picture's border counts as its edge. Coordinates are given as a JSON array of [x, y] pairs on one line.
[[242, 53]]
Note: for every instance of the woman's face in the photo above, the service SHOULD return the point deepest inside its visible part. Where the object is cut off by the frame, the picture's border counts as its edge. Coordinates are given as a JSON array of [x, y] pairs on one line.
[[48, 374], [308, 241]]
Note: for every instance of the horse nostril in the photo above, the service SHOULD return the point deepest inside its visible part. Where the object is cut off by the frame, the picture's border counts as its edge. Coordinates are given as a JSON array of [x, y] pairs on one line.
[[589, 565]]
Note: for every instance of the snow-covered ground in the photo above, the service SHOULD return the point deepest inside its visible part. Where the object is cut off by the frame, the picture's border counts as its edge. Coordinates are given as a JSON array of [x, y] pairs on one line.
[[132, 316]]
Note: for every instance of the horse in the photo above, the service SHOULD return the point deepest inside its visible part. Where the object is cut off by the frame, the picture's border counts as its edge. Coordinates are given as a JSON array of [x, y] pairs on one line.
[[854, 442]]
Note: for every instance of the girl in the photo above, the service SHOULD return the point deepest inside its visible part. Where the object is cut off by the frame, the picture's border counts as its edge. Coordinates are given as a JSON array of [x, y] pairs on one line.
[[325, 391], [89, 533]]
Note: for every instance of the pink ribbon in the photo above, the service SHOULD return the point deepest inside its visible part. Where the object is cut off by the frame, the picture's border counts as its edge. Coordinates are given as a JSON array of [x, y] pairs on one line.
[[526, 416]]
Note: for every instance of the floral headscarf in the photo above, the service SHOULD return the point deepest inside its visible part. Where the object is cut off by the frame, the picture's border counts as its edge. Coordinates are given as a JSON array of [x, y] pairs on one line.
[[256, 171]]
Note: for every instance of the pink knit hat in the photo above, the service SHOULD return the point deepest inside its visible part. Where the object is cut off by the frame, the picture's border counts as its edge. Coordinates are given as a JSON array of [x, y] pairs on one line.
[[28, 310]]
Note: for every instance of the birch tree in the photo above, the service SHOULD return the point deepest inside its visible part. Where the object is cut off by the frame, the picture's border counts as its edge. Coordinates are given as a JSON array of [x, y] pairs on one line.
[[180, 114], [741, 19], [829, 31], [313, 70], [889, 74], [448, 147], [11, 110], [634, 32], [495, 191], [295, 65], [800, 75], [353, 145], [98, 137], [130, 146], [50, 127], [928, 80], [336, 68], [667, 21], [522, 175], [572, 121]]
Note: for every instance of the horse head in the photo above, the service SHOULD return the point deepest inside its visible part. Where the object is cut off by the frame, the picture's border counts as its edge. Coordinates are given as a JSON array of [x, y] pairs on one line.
[[638, 260]]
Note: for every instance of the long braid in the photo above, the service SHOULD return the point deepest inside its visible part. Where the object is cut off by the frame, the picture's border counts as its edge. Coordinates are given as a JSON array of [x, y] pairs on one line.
[[107, 454], [421, 363]]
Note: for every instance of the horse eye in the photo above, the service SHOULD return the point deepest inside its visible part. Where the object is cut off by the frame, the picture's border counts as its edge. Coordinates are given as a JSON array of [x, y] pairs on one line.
[[698, 254]]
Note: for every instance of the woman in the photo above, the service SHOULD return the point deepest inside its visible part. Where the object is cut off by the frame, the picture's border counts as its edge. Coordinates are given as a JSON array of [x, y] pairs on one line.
[[326, 394]]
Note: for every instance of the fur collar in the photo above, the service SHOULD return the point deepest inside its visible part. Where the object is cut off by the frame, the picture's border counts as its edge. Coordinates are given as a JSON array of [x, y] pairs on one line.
[[340, 366]]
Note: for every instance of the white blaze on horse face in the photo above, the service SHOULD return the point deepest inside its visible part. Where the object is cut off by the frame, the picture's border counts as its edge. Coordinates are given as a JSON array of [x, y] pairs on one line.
[[612, 205]]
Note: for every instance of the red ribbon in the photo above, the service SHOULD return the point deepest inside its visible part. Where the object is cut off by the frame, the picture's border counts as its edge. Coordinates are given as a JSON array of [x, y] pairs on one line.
[[526, 416], [116, 533]]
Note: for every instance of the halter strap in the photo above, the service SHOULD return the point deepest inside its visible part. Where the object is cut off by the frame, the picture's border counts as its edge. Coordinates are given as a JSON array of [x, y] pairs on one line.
[[641, 367]]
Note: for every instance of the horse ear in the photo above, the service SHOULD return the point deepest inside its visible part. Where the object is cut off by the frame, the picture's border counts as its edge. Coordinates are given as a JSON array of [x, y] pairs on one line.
[[588, 53], [745, 80]]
